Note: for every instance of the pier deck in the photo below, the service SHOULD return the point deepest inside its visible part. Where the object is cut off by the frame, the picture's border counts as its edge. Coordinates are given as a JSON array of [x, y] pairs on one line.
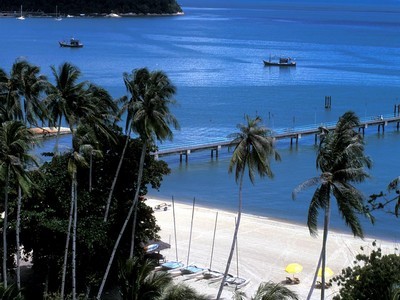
[[293, 133]]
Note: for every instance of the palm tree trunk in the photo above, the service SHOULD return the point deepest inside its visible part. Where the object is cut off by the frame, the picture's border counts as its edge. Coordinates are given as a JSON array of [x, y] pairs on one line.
[[71, 211], [133, 231], [57, 137], [228, 264], [116, 176], [17, 229], [5, 225], [135, 199], [315, 277], [90, 170], [75, 183], [324, 240]]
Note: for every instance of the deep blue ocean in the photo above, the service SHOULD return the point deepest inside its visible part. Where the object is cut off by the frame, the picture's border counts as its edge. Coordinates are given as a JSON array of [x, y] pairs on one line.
[[349, 50]]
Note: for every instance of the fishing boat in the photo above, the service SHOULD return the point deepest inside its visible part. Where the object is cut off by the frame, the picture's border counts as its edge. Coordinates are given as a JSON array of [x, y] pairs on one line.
[[280, 62], [72, 43]]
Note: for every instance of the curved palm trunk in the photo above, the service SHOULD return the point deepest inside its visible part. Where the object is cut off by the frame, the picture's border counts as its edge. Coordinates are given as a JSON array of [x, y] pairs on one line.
[[315, 277], [228, 264], [5, 225], [57, 137], [64, 272], [75, 183], [17, 230], [90, 170], [324, 240], [133, 231], [135, 199], [116, 176]]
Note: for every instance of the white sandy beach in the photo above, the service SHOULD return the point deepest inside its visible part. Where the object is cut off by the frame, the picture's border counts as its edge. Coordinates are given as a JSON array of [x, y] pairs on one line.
[[265, 248]]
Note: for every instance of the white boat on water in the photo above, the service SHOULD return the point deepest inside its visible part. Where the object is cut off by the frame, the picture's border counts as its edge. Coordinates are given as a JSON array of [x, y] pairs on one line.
[[21, 17], [58, 17]]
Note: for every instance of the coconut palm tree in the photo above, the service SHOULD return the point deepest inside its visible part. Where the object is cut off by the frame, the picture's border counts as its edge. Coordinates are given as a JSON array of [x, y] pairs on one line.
[[15, 142], [269, 291], [82, 141], [67, 98], [135, 84], [151, 119], [22, 90], [10, 293], [342, 161], [97, 127], [139, 281], [254, 146]]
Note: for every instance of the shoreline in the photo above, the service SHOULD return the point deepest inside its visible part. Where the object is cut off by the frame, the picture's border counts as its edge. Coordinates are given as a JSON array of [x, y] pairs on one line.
[[265, 247], [277, 219], [8, 14]]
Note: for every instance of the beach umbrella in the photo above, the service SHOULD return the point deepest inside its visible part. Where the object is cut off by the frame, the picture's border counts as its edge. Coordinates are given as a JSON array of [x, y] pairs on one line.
[[293, 268], [328, 272]]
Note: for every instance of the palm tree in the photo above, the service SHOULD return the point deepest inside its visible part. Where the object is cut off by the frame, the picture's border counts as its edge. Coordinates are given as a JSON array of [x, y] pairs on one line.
[[15, 143], [139, 281], [67, 98], [342, 161], [269, 291], [97, 127], [10, 293], [151, 119], [21, 92], [254, 146], [76, 102], [82, 141], [135, 84]]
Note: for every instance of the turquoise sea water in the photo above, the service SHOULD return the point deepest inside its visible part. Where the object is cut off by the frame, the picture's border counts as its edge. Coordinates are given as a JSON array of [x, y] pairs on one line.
[[348, 50]]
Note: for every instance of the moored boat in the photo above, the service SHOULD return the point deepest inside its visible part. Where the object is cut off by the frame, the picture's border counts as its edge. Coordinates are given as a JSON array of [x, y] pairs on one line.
[[281, 62], [72, 43]]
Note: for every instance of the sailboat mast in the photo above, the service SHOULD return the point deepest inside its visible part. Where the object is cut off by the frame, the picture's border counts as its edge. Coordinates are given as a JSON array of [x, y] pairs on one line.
[[213, 243], [190, 235], [176, 242]]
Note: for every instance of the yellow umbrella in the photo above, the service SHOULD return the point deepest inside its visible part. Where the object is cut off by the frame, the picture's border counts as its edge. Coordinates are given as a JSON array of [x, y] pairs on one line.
[[328, 272], [293, 268]]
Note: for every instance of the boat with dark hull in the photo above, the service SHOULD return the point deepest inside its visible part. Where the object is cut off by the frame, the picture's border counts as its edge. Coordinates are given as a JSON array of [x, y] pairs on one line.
[[281, 62], [72, 43]]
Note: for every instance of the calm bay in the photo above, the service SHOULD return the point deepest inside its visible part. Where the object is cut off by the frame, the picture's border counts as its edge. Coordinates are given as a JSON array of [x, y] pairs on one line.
[[348, 50]]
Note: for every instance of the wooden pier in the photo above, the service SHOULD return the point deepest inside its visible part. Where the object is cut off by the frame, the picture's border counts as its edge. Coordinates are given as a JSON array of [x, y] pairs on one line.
[[294, 134]]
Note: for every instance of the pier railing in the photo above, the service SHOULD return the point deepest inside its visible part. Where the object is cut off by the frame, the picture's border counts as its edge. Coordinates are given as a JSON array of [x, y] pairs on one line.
[[293, 133]]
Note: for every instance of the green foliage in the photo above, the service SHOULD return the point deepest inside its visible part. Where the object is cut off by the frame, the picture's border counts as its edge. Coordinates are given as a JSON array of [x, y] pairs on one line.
[[269, 291], [139, 281], [374, 276], [10, 293], [46, 214], [92, 7]]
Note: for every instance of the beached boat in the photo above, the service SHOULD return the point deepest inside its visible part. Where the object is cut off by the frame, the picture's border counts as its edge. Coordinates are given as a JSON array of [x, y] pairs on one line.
[[72, 43], [280, 62]]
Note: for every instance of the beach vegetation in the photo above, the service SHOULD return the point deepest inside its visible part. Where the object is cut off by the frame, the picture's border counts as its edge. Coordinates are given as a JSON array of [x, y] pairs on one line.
[[46, 214], [342, 161], [138, 280], [151, 120], [374, 275], [268, 291], [15, 142], [11, 292], [253, 148], [383, 201]]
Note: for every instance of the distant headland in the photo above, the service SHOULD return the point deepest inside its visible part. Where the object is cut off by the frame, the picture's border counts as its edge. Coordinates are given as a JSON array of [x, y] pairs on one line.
[[93, 8]]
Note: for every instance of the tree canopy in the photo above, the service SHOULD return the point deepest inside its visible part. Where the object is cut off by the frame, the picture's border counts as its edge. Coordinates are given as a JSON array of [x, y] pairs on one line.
[[92, 7], [373, 276]]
